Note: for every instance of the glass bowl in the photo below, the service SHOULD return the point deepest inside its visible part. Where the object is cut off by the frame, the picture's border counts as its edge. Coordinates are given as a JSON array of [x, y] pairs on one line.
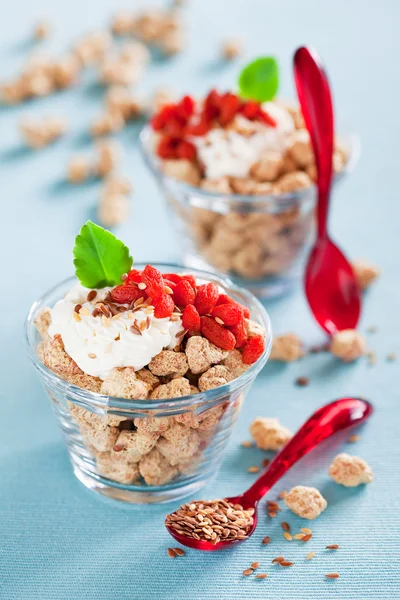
[[91, 422], [259, 241]]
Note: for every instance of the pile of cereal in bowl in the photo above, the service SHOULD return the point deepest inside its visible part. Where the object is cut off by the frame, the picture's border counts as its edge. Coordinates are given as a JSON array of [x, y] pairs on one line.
[[239, 176], [147, 370]]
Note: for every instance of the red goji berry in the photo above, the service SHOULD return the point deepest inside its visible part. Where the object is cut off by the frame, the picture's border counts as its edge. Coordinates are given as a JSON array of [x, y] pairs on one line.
[[253, 349], [161, 118], [211, 105], [191, 318], [250, 109], [230, 314], [125, 294], [176, 277], [230, 105], [166, 147], [174, 127], [186, 150], [154, 281], [134, 276], [163, 306], [184, 293], [185, 107], [266, 118], [240, 332], [200, 128], [224, 299], [217, 334], [206, 299]]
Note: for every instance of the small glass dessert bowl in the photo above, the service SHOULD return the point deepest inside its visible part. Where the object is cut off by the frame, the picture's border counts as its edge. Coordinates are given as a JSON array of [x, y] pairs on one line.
[[240, 185], [152, 434]]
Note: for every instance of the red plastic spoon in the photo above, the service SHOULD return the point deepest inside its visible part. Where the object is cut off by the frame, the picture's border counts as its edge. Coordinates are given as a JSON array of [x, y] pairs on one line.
[[326, 421], [331, 287]]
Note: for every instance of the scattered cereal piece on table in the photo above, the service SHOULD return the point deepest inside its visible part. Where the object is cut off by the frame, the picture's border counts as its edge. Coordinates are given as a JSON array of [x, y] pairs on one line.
[[348, 345], [306, 502], [350, 471], [269, 434], [365, 272]]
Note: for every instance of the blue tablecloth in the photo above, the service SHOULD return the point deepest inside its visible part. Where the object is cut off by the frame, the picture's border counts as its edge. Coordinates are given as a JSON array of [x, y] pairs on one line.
[[59, 541]]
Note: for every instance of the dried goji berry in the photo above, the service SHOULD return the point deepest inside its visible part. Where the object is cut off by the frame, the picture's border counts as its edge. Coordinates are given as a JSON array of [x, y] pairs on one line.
[[266, 118], [253, 349], [166, 147], [176, 277], [125, 294], [184, 293], [154, 281], [211, 105], [230, 105], [217, 334], [134, 276], [161, 118], [224, 299], [185, 108], [250, 109], [174, 127], [200, 128], [191, 318], [240, 332], [230, 314], [163, 306], [186, 150], [206, 299]]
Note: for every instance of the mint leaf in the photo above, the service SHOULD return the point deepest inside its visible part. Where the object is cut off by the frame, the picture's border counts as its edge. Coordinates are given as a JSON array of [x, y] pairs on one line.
[[259, 80], [99, 257]]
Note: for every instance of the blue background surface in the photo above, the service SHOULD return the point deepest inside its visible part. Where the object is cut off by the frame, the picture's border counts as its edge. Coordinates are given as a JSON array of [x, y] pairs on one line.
[[58, 540]]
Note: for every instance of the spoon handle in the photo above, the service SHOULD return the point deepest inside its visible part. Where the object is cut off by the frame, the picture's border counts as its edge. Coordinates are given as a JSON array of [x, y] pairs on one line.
[[326, 421], [316, 104]]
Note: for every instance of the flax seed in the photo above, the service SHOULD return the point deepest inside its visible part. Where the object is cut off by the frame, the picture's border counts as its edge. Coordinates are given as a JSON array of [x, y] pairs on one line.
[[310, 555], [332, 547], [255, 565], [142, 286], [298, 536], [266, 540], [76, 317], [285, 526], [247, 572], [392, 356], [272, 514], [306, 537], [302, 381], [353, 438], [77, 308], [179, 551], [283, 494], [91, 295], [305, 530], [171, 552], [332, 575], [261, 576], [286, 563], [265, 462], [219, 321], [168, 290], [253, 469], [247, 444], [278, 559], [92, 355], [287, 536]]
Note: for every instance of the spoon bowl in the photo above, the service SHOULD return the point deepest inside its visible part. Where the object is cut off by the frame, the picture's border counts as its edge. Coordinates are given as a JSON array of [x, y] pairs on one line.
[[326, 421]]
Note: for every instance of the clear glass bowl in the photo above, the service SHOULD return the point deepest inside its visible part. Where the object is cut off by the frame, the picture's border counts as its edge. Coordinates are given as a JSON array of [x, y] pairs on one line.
[[260, 242], [91, 422]]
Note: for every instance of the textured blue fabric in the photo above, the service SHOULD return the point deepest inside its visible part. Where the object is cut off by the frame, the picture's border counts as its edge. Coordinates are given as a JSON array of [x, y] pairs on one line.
[[59, 541]]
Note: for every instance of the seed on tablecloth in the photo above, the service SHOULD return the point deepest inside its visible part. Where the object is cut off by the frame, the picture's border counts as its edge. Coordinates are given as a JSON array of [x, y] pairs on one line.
[[332, 547], [171, 552], [306, 537], [179, 551], [266, 540], [278, 559], [247, 572], [261, 576], [253, 469], [255, 565], [287, 536], [305, 530], [285, 526], [353, 438], [302, 381], [286, 563], [247, 444], [310, 555], [332, 575]]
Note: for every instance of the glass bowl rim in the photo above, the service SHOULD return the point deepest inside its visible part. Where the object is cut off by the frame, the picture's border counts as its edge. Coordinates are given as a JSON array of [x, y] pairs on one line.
[[102, 401], [353, 144]]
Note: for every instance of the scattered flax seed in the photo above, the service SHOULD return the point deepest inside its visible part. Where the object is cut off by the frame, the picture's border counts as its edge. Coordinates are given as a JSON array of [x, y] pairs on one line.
[[168, 290], [76, 316], [298, 536], [92, 355], [285, 526], [286, 563], [261, 576], [353, 438], [302, 381], [372, 329], [255, 565], [266, 540], [306, 537], [283, 494], [266, 462], [278, 559], [91, 295], [220, 321], [287, 536], [84, 312], [371, 355], [142, 286], [391, 357], [171, 552], [77, 308], [179, 551], [272, 514], [310, 555], [332, 547], [247, 572], [253, 469], [332, 575], [247, 444], [305, 530]]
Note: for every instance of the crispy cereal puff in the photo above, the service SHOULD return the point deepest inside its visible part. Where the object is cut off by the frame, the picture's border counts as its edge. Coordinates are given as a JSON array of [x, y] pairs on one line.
[[306, 502], [178, 443], [220, 185], [234, 362], [79, 414], [133, 444], [188, 467], [155, 468], [100, 421], [87, 382], [210, 418], [293, 181], [43, 322], [184, 170], [348, 345], [221, 259], [100, 438], [248, 261], [287, 348], [301, 150], [254, 328], [123, 383], [169, 362], [269, 167], [201, 354], [214, 377], [188, 419], [269, 434], [350, 471], [174, 389], [116, 468], [365, 272], [148, 377], [152, 424]]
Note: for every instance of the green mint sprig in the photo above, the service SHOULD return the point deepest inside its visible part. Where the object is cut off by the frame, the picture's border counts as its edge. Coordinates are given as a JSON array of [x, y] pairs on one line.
[[259, 80], [100, 259]]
